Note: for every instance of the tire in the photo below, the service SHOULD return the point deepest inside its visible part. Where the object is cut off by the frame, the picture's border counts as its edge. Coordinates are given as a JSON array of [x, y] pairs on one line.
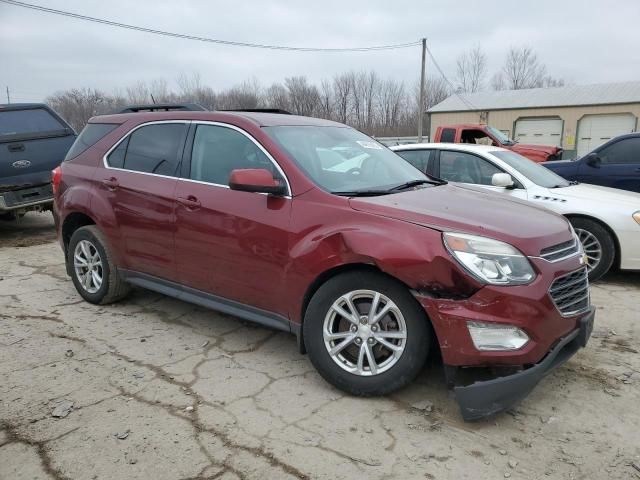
[[112, 287], [392, 371], [595, 237], [8, 216]]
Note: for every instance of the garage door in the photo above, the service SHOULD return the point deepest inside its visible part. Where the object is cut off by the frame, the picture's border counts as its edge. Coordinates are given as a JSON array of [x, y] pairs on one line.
[[539, 131], [594, 130]]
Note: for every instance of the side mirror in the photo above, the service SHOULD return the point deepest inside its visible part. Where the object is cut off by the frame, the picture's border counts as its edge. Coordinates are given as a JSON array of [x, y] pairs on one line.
[[257, 180], [593, 160], [503, 180]]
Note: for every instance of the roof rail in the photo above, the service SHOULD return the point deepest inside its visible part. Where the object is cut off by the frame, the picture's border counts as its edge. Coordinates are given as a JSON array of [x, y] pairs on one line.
[[162, 107], [256, 110]]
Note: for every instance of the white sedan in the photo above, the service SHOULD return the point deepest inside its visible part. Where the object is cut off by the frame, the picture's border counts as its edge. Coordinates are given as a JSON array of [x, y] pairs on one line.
[[606, 220]]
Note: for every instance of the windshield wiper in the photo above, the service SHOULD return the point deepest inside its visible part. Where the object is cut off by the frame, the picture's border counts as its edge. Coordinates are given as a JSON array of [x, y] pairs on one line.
[[361, 193], [415, 183]]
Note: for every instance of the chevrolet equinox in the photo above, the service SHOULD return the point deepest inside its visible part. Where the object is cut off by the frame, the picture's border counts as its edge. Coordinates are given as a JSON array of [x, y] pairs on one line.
[[311, 227]]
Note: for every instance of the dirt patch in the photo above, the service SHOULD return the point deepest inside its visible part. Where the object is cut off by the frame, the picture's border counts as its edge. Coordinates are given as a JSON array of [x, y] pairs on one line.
[[30, 230]]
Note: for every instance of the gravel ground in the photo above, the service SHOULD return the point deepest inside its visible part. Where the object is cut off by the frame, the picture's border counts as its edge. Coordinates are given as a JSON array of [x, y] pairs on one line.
[[156, 388]]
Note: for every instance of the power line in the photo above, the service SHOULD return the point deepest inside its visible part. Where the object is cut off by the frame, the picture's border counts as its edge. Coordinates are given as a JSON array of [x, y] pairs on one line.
[[469, 105], [204, 39]]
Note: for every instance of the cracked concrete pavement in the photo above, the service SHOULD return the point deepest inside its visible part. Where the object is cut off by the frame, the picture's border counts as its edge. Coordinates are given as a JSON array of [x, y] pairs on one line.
[[166, 390]]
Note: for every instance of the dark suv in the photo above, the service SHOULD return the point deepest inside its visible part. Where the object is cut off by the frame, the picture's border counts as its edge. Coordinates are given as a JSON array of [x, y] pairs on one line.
[[33, 141], [310, 227], [615, 164]]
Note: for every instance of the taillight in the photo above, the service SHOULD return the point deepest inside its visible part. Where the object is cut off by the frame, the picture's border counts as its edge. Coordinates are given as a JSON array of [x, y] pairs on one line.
[[56, 176]]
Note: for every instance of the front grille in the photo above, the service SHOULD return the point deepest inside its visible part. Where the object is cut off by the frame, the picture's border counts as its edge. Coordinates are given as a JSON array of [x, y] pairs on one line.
[[560, 251], [570, 293]]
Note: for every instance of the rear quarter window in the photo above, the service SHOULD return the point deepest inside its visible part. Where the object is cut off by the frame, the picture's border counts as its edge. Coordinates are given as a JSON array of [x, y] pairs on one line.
[[31, 122], [89, 136]]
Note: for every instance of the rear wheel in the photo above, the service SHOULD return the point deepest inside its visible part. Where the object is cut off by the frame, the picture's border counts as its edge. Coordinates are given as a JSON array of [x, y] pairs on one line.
[[366, 334], [93, 271], [598, 245]]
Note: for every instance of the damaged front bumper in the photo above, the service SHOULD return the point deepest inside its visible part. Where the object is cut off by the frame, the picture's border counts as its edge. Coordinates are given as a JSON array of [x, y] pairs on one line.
[[484, 398]]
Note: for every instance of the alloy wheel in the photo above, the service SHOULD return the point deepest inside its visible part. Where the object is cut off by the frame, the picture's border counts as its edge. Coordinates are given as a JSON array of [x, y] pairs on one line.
[[88, 266], [591, 246], [365, 332]]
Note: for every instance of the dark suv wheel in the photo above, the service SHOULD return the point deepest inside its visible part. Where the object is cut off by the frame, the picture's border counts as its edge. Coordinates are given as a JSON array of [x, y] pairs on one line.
[[366, 334], [94, 274]]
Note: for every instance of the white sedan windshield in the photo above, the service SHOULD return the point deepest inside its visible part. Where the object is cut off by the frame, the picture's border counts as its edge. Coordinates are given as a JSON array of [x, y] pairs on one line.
[[530, 169]]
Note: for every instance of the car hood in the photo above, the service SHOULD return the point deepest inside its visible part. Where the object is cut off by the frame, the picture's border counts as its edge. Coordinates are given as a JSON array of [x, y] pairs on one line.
[[598, 194], [466, 209], [539, 148]]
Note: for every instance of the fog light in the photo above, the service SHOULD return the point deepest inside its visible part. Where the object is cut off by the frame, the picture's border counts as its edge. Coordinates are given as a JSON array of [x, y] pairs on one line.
[[493, 336]]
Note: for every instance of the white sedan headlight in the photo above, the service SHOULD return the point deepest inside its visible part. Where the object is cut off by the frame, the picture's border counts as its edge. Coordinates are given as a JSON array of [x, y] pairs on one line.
[[636, 217], [488, 260]]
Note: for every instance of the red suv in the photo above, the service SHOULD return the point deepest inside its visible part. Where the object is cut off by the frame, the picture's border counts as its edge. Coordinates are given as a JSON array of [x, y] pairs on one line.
[[309, 226]]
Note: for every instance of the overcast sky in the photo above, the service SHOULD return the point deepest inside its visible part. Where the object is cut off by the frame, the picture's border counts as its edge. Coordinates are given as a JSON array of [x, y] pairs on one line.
[[581, 41]]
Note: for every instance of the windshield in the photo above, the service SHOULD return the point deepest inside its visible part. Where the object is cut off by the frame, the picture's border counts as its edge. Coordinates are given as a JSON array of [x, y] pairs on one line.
[[530, 169], [342, 160], [502, 138]]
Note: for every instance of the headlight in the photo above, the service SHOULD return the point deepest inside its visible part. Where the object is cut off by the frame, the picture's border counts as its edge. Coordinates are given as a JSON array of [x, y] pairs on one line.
[[492, 336], [488, 260], [636, 217]]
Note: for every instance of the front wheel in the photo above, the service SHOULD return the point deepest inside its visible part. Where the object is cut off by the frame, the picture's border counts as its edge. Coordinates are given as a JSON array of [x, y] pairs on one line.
[[366, 334], [598, 245]]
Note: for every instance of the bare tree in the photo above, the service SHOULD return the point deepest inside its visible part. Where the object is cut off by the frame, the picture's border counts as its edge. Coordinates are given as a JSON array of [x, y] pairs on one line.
[[377, 106], [390, 105], [303, 97], [342, 85], [78, 105], [326, 103], [522, 69], [471, 70], [246, 95], [551, 82], [277, 96]]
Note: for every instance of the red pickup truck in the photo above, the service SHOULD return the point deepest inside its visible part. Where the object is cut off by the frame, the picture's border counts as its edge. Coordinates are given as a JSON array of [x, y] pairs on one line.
[[484, 134]]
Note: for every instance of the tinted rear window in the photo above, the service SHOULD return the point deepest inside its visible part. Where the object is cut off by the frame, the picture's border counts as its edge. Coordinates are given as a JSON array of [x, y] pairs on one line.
[[18, 123], [88, 137]]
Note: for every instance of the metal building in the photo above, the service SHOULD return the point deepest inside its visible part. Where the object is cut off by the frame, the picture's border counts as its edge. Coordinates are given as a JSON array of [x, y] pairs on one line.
[[576, 118]]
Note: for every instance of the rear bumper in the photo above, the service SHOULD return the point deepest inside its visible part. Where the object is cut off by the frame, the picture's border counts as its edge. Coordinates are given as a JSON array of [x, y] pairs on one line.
[[485, 398], [26, 198]]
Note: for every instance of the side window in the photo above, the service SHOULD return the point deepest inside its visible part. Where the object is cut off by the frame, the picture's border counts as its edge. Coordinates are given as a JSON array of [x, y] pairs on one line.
[[219, 150], [418, 158], [448, 135], [116, 157], [151, 149], [466, 168], [625, 151]]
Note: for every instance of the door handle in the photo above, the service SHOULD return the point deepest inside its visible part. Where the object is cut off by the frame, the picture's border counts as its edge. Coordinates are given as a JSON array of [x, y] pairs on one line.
[[16, 147], [111, 183], [190, 202]]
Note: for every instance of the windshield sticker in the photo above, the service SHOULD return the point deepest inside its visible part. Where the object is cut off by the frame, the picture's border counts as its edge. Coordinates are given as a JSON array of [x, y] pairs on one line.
[[372, 145]]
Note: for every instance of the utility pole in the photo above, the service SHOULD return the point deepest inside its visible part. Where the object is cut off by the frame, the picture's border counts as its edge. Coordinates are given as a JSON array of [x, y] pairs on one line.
[[8, 97], [422, 90]]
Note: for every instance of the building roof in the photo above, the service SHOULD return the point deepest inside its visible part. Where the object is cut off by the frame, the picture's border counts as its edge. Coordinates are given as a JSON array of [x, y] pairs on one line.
[[577, 95]]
